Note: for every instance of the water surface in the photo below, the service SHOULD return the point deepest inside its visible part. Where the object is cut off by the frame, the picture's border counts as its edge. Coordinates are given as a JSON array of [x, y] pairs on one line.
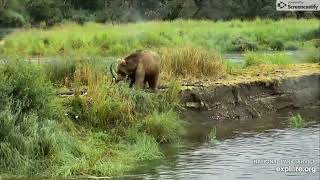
[[251, 149]]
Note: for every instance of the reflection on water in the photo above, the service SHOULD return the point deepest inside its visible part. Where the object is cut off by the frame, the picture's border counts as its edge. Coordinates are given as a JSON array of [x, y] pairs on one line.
[[240, 151]]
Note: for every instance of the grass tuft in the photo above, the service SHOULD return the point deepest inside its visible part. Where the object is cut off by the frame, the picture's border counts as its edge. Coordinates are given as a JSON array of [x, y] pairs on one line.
[[165, 127], [296, 121], [212, 136], [253, 58], [91, 39], [189, 61]]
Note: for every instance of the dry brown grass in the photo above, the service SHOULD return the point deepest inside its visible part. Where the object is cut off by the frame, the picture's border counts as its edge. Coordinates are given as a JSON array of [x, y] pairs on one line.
[[189, 62], [265, 73]]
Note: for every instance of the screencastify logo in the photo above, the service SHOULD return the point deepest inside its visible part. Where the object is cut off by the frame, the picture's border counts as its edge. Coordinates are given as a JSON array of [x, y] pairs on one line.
[[281, 5], [298, 5]]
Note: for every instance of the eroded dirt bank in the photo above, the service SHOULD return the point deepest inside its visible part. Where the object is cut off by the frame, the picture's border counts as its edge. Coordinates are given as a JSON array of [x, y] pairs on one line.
[[254, 95]]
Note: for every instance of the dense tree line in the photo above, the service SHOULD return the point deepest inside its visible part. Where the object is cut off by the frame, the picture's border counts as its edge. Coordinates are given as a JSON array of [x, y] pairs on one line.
[[49, 12]]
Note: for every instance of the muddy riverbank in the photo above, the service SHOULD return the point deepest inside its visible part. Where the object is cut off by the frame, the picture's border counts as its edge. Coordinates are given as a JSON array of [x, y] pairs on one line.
[[256, 96]]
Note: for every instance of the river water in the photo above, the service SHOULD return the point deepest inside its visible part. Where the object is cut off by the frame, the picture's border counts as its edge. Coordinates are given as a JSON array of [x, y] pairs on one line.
[[252, 149], [6, 31]]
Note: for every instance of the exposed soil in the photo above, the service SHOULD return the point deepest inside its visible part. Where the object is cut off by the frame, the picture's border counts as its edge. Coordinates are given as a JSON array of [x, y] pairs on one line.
[[256, 92]]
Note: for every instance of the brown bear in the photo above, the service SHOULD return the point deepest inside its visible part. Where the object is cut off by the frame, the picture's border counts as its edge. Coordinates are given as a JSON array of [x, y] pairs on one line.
[[140, 67]]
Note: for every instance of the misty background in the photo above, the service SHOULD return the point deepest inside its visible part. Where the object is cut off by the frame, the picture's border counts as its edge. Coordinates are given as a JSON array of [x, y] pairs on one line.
[[25, 13]]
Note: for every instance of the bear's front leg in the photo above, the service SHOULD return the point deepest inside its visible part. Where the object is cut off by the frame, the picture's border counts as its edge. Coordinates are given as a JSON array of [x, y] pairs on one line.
[[139, 77]]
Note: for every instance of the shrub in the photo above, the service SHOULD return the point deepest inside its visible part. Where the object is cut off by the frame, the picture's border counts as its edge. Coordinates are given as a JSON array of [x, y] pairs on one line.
[[291, 45], [31, 140], [276, 45], [26, 86], [243, 44], [102, 17], [316, 43], [28, 143], [12, 19], [313, 55], [81, 16], [312, 34], [252, 58]]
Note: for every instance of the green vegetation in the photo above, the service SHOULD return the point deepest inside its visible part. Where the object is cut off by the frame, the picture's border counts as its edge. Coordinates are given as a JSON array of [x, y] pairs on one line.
[[164, 126], [105, 133], [188, 61], [113, 40], [109, 130], [44, 13], [252, 58], [212, 136], [296, 121], [234, 68], [313, 55]]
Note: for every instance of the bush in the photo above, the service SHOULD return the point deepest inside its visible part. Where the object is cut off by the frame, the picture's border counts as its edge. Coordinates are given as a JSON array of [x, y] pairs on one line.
[[242, 44], [81, 16], [12, 19], [312, 34], [313, 55], [32, 146], [102, 17], [276, 45], [31, 141], [316, 43], [291, 45], [27, 88]]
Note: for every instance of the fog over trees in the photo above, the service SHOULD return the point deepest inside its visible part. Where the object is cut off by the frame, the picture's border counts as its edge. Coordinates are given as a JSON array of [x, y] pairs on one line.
[[17, 13]]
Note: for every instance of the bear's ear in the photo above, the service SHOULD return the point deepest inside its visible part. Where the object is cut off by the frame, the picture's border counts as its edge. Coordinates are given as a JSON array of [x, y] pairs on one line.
[[123, 62]]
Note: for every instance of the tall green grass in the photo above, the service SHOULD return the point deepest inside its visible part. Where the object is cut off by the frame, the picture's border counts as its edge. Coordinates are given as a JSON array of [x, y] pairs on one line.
[[253, 58], [106, 133], [105, 40]]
